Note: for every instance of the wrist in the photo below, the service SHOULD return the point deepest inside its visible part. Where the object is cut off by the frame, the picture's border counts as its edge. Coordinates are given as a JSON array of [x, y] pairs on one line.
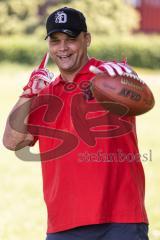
[[28, 94]]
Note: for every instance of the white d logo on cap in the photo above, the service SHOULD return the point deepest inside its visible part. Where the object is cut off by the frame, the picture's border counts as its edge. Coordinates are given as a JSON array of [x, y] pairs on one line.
[[60, 17]]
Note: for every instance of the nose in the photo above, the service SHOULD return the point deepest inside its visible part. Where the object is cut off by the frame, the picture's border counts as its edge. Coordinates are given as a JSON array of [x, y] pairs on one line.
[[63, 46]]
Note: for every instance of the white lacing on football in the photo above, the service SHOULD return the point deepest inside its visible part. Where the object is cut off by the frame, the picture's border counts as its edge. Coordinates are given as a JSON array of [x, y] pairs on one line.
[[132, 75]]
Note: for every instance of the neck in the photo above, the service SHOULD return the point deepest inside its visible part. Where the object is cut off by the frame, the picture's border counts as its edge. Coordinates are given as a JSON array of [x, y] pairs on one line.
[[69, 76]]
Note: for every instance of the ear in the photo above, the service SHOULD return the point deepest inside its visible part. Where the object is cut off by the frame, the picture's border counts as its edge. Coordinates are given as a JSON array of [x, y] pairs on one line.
[[88, 39]]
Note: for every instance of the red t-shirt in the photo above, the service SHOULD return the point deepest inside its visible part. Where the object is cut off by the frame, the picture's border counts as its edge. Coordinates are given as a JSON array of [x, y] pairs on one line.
[[91, 168]]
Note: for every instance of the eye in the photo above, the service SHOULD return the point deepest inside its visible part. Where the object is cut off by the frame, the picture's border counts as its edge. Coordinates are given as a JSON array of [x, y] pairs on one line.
[[54, 40], [72, 39]]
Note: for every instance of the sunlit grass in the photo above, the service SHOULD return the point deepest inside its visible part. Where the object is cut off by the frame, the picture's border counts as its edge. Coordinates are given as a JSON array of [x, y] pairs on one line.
[[23, 213]]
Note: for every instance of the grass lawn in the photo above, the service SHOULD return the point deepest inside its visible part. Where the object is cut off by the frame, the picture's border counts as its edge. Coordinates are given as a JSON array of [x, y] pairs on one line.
[[23, 212]]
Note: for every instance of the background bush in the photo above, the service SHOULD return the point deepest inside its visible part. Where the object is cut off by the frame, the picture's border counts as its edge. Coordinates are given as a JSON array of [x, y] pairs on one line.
[[23, 50], [140, 51]]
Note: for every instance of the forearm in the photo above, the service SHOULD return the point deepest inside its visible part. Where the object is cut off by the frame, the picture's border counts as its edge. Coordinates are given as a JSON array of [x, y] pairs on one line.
[[16, 135]]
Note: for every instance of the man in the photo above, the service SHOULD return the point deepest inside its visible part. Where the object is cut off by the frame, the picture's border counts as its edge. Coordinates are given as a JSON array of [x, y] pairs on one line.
[[93, 181]]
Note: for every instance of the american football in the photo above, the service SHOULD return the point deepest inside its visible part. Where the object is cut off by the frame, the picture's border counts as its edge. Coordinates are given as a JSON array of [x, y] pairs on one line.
[[123, 95]]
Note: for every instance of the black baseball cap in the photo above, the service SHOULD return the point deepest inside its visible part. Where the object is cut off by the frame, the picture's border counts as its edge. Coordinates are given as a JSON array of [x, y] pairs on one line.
[[66, 20]]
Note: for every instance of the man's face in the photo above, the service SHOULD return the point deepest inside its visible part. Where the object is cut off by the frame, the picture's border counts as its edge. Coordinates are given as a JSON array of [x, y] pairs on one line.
[[69, 53]]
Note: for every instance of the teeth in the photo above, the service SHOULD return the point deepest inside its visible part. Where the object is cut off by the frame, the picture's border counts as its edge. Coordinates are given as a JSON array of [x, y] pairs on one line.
[[64, 56]]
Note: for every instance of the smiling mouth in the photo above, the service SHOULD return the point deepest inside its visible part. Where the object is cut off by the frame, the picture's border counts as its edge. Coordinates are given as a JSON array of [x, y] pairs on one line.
[[64, 57]]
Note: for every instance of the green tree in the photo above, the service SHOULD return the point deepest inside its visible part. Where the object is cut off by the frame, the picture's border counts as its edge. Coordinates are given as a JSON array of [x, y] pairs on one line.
[[23, 16], [103, 16], [107, 16], [17, 16]]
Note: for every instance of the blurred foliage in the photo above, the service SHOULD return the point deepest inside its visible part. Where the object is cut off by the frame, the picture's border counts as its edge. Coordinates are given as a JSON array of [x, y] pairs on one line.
[[139, 50], [106, 17], [17, 16], [29, 17], [23, 16], [21, 49]]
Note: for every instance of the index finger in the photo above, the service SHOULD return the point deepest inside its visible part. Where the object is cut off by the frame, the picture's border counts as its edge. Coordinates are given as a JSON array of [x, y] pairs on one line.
[[44, 61]]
